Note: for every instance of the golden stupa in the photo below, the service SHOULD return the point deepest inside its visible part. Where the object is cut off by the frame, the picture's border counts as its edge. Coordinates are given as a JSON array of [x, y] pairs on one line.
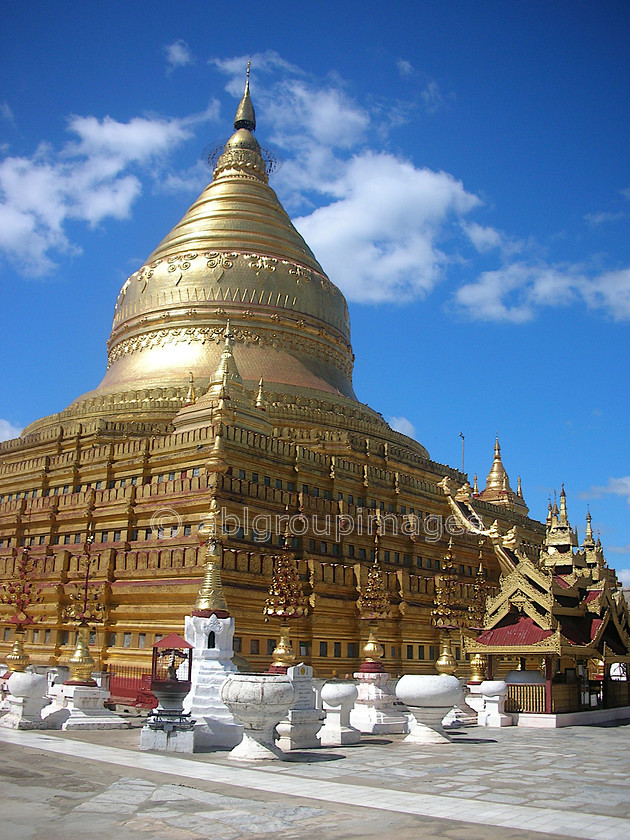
[[229, 383]]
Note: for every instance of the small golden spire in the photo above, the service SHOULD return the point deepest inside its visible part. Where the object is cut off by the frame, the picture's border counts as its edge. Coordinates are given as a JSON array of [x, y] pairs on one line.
[[191, 397], [227, 373], [497, 477], [589, 541], [216, 460], [245, 115], [260, 400], [563, 507], [211, 599], [519, 488], [475, 486]]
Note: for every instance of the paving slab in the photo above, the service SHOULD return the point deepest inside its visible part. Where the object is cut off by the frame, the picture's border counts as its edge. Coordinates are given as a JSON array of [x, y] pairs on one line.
[[530, 784]]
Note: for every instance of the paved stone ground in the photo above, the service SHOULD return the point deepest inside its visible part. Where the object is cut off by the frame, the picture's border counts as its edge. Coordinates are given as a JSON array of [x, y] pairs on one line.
[[517, 784]]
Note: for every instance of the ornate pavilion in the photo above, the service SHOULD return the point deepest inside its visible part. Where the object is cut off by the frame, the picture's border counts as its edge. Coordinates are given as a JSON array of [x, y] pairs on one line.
[[229, 383]]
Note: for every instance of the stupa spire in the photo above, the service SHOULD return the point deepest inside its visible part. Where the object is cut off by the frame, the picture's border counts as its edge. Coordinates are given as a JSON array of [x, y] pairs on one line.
[[589, 541], [245, 114], [227, 373], [563, 507], [497, 477]]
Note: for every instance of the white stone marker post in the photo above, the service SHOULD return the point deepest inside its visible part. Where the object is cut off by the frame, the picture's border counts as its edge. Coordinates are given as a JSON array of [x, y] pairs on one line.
[[298, 731]]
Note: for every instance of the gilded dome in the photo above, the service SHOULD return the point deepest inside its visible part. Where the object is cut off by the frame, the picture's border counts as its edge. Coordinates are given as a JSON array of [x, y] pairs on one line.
[[234, 255]]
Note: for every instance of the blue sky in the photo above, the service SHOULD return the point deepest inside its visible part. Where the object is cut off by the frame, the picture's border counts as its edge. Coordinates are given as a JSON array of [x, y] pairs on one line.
[[461, 170]]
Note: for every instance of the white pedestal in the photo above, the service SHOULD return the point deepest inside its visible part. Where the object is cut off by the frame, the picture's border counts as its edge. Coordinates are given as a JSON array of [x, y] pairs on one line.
[[338, 698], [462, 714], [164, 740], [298, 731], [86, 710], [374, 711], [211, 639], [474, 698], [494, 693], [426, 725], [25, 701]]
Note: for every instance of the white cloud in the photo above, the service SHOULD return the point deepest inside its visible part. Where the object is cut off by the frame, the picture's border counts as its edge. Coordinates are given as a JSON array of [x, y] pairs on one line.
[[375, 221], [326, 115], [178, 54], [615, 487], [405, 68], [402, 425], [514, 292], [432, 97], [618, 549], [6, 113], [379, 240], [596, 219], [610, 292], [624, 576], [486, 239], [93, 177], [8, 431]]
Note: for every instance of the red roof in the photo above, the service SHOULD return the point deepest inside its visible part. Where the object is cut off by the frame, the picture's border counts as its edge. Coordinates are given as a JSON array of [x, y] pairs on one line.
[[514, 631], [579, 631], [593, 595], [561, 582], [172, 641]]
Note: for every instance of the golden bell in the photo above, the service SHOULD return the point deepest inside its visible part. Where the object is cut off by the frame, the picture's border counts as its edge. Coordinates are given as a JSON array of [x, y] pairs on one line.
[[18, 659], [446, 663], [372, 650], [478, 666], [81, 662], [283, 655]]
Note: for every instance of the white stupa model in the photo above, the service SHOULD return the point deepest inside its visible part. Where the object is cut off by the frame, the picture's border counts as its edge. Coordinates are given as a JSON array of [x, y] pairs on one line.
[[210, 630]]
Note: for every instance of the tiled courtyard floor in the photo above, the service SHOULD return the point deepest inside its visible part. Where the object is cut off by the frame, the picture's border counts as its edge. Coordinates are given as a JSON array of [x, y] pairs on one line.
[[510, 783]]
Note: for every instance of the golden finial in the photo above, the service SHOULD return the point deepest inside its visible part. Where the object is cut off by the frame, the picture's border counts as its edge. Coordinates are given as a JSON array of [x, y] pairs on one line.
[[519, 488], [245, 115], [191, 396], [216, 459], [476, 486], [260, 400]]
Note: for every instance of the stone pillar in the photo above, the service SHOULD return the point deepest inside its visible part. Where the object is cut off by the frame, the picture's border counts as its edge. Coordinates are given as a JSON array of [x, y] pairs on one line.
[[298, 731], [211, 638], [494, 693], [474, 699], [338, 697]]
